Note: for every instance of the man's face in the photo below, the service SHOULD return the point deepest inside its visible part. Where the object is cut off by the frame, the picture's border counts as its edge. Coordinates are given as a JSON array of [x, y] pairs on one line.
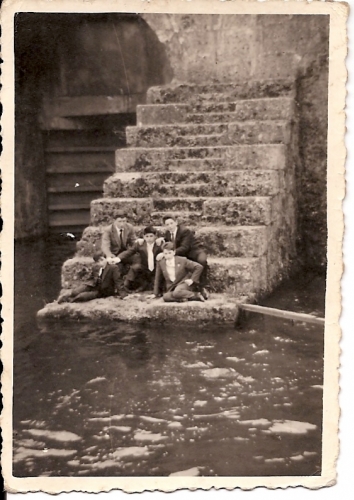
[[150, 238], [170, 224], [168, 254], [102, 261], [121, 220]]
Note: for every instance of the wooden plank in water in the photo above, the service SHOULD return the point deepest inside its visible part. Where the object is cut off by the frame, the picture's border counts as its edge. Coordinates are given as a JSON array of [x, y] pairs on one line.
[[280, 313]]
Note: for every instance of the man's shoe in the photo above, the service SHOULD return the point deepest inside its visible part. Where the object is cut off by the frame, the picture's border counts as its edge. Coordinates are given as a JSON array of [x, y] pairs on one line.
[[204, 293], [141, 288], [199, 297]]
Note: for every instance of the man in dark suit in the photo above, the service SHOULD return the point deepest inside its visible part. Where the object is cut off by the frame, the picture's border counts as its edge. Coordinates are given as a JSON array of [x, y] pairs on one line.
[[186, 244], [142, 272], [176, 275], [117, 238], [104, 281]]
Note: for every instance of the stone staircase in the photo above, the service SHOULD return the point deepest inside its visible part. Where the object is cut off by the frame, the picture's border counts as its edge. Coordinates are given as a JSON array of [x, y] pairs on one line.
[[222, 158]]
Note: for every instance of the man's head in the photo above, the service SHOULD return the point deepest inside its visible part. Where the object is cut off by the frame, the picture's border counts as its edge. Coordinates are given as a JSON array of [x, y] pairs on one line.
[[168, 251], [150, 234], [121, 217], [170, 222], [100, 258]]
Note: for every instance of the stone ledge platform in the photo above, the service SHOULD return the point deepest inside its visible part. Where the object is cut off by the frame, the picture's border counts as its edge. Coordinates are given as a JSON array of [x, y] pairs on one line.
[[217, 310]]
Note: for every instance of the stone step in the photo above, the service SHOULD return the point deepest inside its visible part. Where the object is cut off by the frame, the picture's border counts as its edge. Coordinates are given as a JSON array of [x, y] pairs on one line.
[[240, 157], [174, 134], [239, 276], [246, 132], [236, 211], [220, 309], [216, 112], [226, 183], [237, 241], [184, 93]]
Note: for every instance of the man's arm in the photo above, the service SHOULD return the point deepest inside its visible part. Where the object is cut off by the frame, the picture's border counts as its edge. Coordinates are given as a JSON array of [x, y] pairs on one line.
[[196, 270], [106, 242], [158, 279], [185, 243], [128, 253]]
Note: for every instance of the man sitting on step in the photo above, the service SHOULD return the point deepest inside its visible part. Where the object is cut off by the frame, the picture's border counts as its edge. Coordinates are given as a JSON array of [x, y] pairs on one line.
[[143, 272], [117, 238], [186, 244], [104, 281], [177, 276]]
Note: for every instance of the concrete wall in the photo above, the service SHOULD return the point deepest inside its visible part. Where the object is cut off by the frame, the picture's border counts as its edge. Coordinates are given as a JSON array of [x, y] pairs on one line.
[[69, 55]]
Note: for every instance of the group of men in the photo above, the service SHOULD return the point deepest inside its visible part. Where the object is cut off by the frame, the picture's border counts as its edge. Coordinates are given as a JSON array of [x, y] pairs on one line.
[[172, 264]]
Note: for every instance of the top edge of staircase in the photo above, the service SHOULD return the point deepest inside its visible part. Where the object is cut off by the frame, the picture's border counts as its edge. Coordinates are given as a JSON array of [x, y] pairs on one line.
[[221, 147], [279, 98], [187, 126], [267, 88]]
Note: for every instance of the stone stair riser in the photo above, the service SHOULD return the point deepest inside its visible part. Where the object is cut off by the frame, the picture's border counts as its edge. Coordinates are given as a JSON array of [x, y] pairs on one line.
[[253, 157], [235, 242], [258, 133], [219, 92], [240, 183], [236, 276], [255, 109], [248, 132], [229, 211], [167, 135]]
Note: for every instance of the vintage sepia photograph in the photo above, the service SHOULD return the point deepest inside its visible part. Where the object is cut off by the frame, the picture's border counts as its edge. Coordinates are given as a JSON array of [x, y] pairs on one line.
[[171, 246]]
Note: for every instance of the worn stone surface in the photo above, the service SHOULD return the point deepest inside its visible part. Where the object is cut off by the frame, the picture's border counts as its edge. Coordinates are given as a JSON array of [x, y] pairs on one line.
[[220, 92], [175, 135], [251, 109], [239, 276], [239, 241], [258, 132], [242, 132], [219, 309], [104, 210], [238, 211], [227, 183], [208, 210], [258, 156]]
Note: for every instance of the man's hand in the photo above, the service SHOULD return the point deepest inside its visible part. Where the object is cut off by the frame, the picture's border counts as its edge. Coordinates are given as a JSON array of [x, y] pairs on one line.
[[140, 241], [113, 260], [159, 241], [159, 257], [189, 281]]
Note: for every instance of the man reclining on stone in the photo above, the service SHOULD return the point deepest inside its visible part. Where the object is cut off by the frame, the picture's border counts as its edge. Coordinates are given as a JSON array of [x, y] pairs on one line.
[[142, 274], [176, 275], [104, 281]]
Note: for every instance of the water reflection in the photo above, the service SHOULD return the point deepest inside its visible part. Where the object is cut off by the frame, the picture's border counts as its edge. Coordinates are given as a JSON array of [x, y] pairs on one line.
[[115, 399]]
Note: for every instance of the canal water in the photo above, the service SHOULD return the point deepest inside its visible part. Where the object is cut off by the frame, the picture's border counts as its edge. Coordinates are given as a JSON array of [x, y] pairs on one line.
[[120, 400]]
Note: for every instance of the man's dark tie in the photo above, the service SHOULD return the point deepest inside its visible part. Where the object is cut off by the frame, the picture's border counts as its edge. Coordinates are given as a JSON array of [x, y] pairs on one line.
[[173, 237], [121, 237]]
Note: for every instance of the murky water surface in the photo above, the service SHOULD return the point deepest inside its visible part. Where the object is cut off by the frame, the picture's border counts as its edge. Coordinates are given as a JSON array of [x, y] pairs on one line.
[[115, 399]]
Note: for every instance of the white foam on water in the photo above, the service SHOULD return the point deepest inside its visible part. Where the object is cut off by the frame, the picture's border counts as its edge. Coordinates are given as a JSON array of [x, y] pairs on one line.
[[132, 451], [291, 427], [62, 436], [194, 471]]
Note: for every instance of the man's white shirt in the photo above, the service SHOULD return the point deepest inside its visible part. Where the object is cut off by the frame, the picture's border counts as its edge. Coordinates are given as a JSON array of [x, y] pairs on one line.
[[150, 254], [171, 270]]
